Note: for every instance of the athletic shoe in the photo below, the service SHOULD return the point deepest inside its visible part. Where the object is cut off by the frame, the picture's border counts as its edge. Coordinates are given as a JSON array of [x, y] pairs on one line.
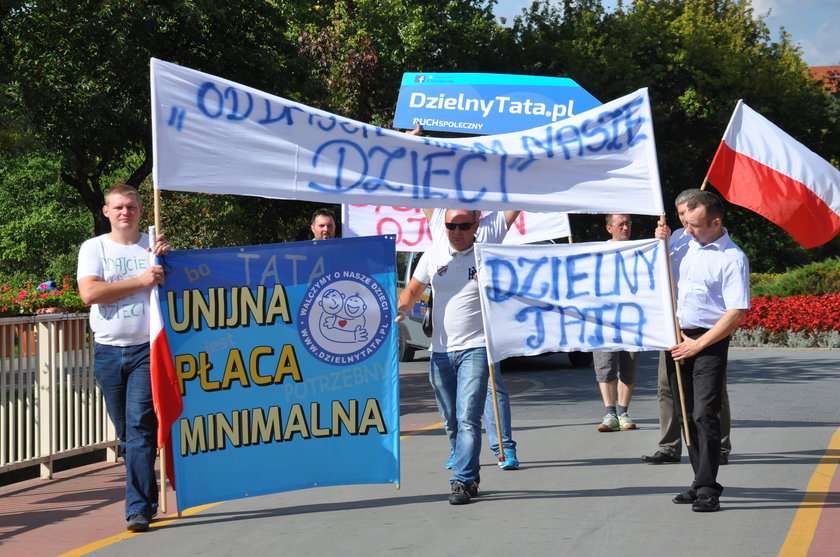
[[610, 423], [451, 461], [625, 422], [510, 462], [462, 492]]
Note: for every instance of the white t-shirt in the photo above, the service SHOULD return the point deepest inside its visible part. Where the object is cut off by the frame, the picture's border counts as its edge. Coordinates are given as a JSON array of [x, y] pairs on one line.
[[126, 321], [456, 316]]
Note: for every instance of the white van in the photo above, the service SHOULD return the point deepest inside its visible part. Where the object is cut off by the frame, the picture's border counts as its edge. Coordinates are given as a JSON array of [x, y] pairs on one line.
[[411, 335]]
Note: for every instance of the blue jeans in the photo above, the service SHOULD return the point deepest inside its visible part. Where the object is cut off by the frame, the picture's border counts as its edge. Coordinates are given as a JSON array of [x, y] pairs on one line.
[[460, 379], [123, 374], [504, 414], [490, 418]]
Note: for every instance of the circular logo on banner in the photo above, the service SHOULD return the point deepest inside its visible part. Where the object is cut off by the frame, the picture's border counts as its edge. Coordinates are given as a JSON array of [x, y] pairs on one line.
[[344, 318]]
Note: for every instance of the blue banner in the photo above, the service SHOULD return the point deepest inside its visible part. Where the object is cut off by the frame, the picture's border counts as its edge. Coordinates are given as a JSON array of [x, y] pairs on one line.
[[487, 104], [286, 358]]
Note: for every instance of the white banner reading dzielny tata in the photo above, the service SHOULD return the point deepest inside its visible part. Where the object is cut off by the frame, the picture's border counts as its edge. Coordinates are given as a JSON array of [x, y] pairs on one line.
[[598, 296], [215, 136]]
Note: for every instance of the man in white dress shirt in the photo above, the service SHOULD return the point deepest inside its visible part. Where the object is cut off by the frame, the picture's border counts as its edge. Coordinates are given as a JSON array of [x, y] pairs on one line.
[[713, 295]]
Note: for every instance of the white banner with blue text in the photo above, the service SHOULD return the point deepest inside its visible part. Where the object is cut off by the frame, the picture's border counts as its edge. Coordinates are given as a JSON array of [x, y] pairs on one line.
[[598, 296], [411, 231], [212, 135]]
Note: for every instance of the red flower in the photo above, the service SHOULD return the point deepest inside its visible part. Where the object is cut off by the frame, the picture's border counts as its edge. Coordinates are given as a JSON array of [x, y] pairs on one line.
[[794, 313]]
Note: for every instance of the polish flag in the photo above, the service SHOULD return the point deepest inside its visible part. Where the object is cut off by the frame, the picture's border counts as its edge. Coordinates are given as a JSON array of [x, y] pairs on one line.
[[762, 168], [166, 392]]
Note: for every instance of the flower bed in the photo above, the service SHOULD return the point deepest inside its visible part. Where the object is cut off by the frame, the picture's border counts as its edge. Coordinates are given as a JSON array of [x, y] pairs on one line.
[[795, 321], [38, 299]]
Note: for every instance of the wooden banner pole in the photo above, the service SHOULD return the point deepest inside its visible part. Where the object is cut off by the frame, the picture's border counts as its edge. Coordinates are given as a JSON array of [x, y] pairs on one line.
[[496, 408], [679, 337]]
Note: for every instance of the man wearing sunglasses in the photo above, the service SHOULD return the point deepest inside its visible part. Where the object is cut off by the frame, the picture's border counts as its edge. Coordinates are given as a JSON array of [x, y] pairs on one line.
[[435, 219], [458, 367]]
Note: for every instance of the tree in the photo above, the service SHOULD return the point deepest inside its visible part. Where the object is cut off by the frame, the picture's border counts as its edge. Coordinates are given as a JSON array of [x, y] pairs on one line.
[[361, 48], [42, 226], [78, 71], [697, 58]]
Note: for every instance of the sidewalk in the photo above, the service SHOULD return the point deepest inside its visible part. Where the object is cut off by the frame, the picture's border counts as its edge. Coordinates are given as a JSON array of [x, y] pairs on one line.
[[579, 492]]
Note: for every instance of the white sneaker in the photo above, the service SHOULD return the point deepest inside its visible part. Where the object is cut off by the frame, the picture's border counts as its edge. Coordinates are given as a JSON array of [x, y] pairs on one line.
[[625, 422], [610, 423]]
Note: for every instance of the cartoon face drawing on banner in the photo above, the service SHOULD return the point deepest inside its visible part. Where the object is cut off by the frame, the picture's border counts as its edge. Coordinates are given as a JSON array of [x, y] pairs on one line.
[[345, 318]]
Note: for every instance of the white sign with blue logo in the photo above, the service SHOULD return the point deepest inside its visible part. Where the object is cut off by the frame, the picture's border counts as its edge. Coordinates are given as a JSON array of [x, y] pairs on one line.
[[286, 358], [482, 103]]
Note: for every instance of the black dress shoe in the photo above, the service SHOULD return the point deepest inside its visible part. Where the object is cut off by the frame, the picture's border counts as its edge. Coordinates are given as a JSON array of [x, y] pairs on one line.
[[685, 498], [660, 458], [705, 503]]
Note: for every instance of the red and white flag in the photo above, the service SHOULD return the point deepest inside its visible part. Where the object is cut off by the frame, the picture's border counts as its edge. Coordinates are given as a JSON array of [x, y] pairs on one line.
[[166, 392], [762, 168]]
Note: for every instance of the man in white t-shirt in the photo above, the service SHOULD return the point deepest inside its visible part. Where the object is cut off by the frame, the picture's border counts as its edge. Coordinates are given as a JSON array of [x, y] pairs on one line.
[[458, 368], [435, 219], [116, 276]]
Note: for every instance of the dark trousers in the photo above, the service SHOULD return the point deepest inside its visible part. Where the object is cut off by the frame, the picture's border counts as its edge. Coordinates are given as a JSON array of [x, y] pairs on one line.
[[703, 379]]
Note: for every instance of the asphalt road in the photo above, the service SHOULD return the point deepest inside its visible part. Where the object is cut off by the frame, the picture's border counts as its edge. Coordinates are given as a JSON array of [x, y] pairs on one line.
[[578, 492]]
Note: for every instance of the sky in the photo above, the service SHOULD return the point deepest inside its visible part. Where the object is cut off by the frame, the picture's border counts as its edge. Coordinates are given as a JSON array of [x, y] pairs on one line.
[[813, 24]]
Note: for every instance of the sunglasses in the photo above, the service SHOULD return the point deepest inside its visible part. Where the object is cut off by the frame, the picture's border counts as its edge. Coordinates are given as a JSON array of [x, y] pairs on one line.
[[459, 225]]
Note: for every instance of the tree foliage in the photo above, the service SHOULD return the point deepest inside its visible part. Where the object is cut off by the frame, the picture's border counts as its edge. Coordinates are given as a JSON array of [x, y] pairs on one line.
[[43, 224], [360, 49], [78, 71], [697, 58]]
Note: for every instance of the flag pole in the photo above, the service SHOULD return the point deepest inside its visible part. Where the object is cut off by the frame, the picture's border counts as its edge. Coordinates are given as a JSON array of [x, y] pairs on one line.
[[163, 479], [679, 333], [492, 370], [157, 207], [705, 183], [495, 403]]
